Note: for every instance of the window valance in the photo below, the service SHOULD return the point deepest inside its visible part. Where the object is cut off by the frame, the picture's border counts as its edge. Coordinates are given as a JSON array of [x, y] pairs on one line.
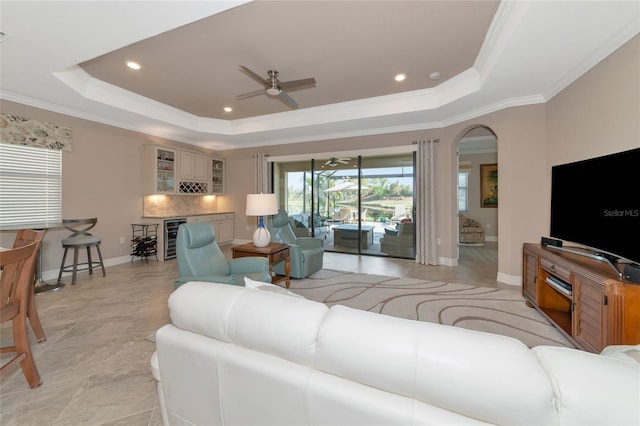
[[18, 130]]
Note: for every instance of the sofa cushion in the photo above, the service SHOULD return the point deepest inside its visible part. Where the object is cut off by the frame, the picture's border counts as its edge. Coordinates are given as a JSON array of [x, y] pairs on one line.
[[476, 374], [258, 320], [588, 386]]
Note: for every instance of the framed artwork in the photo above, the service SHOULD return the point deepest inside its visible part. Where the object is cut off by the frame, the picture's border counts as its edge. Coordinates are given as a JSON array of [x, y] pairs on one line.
[[488, 185]]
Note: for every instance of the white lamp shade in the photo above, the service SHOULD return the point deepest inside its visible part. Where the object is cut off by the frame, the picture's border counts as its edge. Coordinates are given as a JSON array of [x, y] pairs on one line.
[[261, 204]]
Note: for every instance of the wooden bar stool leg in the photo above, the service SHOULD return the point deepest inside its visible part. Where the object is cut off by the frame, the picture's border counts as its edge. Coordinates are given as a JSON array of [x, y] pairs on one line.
[[22, 346], [32, 314]]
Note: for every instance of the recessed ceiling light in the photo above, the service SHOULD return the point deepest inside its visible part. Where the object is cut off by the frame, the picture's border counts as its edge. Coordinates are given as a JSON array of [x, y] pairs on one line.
[[133, 65], [400, 77], [228, 109], [434, 75]]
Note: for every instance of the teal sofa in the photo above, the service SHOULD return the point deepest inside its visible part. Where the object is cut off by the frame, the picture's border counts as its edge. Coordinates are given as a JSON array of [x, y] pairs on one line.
[[200, 259]]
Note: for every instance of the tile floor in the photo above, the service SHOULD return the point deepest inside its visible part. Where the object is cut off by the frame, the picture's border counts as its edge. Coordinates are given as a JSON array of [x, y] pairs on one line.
[[95, 362]]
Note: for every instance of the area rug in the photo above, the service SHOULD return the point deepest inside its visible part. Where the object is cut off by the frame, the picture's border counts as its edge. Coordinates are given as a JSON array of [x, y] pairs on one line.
[[494, 310]]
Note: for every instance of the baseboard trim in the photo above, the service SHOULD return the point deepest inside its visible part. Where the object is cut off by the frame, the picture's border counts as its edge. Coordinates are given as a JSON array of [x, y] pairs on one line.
[[515, 280], [448, 261], [53, 274]]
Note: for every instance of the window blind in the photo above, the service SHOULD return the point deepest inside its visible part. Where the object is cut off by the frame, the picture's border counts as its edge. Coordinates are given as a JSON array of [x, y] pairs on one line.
[[30, 185]]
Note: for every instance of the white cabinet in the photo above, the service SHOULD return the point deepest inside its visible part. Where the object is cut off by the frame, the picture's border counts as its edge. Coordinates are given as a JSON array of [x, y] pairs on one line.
[[218, 178], [169, 171], [222, 225], [194, 173], [193, 166], [159, 170]]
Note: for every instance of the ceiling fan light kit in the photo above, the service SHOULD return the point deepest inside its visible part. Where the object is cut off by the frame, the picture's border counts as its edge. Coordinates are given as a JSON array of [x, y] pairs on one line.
[[274, 87]]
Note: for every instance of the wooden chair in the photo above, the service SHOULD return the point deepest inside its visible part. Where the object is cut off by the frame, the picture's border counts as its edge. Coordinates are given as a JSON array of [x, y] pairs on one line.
[[80, 238], [23, 238], [14, 295]]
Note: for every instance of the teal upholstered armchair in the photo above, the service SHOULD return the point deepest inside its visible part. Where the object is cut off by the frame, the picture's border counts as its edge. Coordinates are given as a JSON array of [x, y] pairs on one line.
[[200, 259], [306, 252]]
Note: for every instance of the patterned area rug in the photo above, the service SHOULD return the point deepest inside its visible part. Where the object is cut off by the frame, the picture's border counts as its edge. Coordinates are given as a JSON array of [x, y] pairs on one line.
[[477, 308]]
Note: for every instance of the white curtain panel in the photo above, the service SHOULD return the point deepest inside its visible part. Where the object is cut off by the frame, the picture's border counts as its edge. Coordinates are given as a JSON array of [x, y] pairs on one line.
[[262, 174], [426, 247]]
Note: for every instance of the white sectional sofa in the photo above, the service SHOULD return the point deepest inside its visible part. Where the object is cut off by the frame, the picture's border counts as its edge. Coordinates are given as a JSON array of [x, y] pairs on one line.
[[243, 356]]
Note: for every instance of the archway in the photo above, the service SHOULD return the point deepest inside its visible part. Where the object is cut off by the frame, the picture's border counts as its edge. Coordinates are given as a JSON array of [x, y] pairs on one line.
[[477, 196]]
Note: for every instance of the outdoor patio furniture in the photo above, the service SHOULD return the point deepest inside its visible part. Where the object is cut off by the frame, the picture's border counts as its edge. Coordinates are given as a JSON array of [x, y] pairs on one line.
[[398, 242], [301, 226], [347, 235], [343, 215], [400, 212]]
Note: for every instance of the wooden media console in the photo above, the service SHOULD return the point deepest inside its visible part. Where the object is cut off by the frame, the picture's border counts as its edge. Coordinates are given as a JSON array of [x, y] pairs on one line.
[[582, 297]]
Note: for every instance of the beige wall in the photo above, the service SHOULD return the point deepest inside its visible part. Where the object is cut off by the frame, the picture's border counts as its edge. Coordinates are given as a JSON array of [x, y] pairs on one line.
[[102, 177], [521, 158], [598, 114]]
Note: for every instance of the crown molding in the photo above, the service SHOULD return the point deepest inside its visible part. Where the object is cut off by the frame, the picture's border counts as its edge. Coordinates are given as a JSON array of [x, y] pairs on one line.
[[598, 54], [225, 144], [505, 22], [72, 112]]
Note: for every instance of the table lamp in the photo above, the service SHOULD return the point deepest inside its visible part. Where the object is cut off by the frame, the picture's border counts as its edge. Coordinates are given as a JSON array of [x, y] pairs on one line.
[[261, 205]]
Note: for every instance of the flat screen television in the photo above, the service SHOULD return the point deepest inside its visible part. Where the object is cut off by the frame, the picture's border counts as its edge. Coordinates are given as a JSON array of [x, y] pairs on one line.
[[596, 203]]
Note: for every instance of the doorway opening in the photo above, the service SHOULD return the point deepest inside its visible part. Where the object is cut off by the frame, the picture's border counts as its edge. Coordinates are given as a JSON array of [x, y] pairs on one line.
[[478, 198], [356, 204]]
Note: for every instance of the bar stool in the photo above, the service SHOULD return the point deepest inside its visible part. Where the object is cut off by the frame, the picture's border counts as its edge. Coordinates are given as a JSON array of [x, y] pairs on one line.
[[80, 238]]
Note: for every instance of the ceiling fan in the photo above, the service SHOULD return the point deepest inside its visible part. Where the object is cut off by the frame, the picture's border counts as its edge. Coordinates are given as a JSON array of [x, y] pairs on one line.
[[334, 161], [275, 87]]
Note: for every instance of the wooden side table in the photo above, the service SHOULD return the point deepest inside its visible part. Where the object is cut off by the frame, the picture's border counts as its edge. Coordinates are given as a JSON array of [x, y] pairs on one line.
[[274, 252]]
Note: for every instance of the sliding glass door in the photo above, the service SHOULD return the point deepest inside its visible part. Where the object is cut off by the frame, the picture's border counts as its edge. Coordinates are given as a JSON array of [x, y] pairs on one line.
[[360, 205]]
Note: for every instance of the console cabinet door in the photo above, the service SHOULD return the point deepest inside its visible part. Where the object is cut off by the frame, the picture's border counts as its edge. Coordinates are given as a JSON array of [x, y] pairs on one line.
[[530, 276], [590, 319]]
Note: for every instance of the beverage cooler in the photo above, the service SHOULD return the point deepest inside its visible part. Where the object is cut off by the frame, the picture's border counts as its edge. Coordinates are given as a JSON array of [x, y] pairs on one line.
[[171, 235]]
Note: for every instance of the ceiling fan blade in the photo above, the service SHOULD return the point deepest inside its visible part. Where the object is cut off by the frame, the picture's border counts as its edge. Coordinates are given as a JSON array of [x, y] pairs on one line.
[[298, 84], [250, 94], [287, 100], [253, 75]]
